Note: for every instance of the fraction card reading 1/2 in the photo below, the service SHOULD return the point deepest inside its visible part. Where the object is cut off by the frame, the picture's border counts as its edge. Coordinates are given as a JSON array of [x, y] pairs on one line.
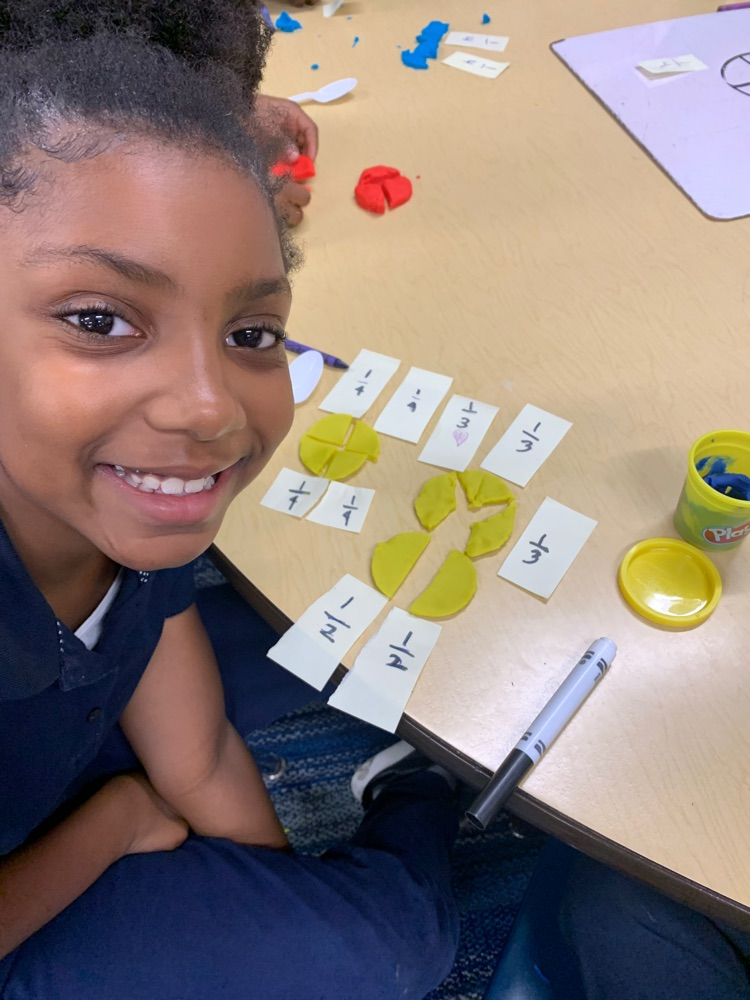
[[676, 66], [459, 432], [408, 411], [529, 441], [294, 492], [543, 554], [476, 64], [343, 507], [314, 646], [379, 684], [360, 386], [494, 43]]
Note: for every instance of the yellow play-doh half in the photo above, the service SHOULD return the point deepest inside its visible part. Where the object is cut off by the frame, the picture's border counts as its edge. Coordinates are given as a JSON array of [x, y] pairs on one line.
[[436, 500], [364, 440], [315, 455], [393, 560], [484, 488], [451, 589], [345, 464], [492, 533], [331, 429]]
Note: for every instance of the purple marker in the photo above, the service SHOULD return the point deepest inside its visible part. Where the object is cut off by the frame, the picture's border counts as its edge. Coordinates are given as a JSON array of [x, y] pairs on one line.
[[329, 359], [733, 6]]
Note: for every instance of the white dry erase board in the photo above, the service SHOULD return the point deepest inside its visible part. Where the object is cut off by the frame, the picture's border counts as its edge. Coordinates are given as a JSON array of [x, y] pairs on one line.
[[696, 125]]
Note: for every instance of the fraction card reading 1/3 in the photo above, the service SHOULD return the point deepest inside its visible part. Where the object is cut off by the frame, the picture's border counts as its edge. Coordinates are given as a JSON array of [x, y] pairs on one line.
[[358, 388], [529, 441], [543, 554], [476, 64], [459, 432], [495, 43], [408, 411], [314, 646], [379, 684], [343, 507], [294, 492]]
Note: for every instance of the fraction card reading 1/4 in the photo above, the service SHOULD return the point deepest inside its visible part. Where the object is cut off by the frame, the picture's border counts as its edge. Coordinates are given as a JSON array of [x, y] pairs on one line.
[[294, 492], [459, 433], [529, 441], [543, 554], [314, 646], [343, 507], [495, 43], [408, 411], [476, 64], [358, 388], [379, 684]]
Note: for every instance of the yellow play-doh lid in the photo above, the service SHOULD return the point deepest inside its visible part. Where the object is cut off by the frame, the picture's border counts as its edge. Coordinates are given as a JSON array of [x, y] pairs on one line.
[[669, 582]]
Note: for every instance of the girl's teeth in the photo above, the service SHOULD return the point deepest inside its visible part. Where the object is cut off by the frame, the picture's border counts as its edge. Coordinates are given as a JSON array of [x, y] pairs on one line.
[[169, 485]]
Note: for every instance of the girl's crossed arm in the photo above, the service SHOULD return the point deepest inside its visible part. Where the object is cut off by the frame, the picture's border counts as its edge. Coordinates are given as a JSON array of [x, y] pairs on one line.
[[195, 759]]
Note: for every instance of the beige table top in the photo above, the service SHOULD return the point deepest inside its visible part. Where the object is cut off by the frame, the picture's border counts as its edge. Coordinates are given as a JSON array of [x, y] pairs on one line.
[[544, 258]]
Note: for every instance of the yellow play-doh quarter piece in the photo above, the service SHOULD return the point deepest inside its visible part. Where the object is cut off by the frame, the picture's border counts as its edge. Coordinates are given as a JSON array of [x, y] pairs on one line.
[[451, 589], [393, 560], [331, 429], [492, 533], [669, 582], [315, 455], [436, 500], [364, 440], [484, 488], [344, 464]]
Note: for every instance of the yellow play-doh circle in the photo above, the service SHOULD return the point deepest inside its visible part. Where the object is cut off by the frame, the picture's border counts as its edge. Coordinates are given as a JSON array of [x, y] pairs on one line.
[[338, 445]]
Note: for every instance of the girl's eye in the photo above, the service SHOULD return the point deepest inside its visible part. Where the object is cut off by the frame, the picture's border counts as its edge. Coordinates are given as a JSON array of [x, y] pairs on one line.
[[100, 323], [255, 337]]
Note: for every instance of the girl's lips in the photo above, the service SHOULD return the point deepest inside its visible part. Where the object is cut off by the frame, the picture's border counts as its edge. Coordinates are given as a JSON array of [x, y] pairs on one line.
[[173, 505]]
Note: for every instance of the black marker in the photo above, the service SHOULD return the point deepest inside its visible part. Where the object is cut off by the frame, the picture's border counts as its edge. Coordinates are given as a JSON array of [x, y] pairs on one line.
[[542, 732]]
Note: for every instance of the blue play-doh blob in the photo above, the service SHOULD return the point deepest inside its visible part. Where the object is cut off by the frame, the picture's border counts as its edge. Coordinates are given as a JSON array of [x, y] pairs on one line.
[[731, 484], [286, 23], [428, 41], [486, 18]]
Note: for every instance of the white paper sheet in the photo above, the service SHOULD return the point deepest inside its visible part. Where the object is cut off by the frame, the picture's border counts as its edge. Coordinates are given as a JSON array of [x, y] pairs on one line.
[[360, 386], [408, 411], [458, 434], [329, 9], [543, 554], [343, 507], [379, 684], [294, 493], [472, 40], [476, 64], [528, 442], [313, 647]]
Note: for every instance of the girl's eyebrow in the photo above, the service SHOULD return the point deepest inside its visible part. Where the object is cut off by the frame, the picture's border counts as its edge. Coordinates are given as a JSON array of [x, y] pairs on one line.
[[145, 274]]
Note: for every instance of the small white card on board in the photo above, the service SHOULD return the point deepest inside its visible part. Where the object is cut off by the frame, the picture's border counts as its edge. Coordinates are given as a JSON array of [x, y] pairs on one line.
[[476, 64], [528, 442], [314, 646], [545, 551], [343, 507], [360, 386], [294, 492], [471, 40], [379, 684], [408, 411], [458, 434], [671, 66]]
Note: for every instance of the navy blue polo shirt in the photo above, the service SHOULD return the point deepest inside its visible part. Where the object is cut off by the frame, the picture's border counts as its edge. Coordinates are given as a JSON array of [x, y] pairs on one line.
[[59, 700]]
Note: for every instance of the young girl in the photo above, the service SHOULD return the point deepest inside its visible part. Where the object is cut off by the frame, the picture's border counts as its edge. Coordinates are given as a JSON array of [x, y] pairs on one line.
[[143, 384]]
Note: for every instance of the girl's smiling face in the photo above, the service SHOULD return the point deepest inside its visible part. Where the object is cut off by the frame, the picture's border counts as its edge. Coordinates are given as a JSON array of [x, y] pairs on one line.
[[143, 379]]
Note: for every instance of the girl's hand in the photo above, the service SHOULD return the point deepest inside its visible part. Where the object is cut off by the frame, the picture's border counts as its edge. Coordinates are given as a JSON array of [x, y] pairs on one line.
[[154, 825]]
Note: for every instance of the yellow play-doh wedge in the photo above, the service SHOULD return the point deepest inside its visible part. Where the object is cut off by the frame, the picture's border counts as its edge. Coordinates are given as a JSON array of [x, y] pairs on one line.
[[315, 455], [364, 440], [484, 488], [436, 500], [345, 464], [451, 589], [492, 533], [331, 429], [392, 561]]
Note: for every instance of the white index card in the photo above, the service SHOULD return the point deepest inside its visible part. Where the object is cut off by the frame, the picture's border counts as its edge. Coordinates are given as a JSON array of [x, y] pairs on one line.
[[527, 443], [360, 386], [294, 493], [471, 40], [343, 507], [329, 9], [379, 684], [545, 551], [314, 646], [408, 411], [476, 64], [458, 434], [670, 66]]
